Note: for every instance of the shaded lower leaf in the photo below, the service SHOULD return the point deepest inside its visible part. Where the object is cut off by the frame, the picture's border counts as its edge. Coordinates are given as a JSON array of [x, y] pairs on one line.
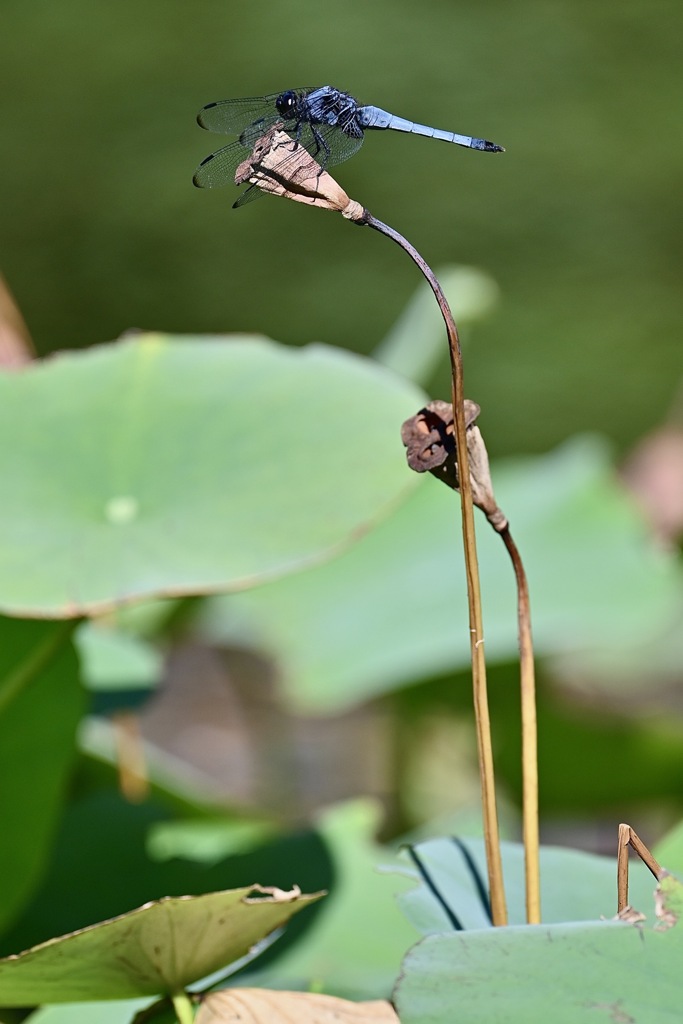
[[41, 704], [158, 948], [100, 869], [254, 1005]]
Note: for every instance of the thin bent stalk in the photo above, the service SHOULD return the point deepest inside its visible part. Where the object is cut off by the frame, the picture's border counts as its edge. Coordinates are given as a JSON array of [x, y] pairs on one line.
[[529, 737], [629, 837], [481, 709]]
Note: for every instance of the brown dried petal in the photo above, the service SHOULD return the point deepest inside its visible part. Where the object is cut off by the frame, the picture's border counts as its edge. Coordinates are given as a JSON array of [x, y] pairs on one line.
[[253, 1006], [298, 177], [429, 440]]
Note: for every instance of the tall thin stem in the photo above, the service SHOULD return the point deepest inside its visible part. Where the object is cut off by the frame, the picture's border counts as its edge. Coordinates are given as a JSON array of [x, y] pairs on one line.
[[529, 736], [481, 708]]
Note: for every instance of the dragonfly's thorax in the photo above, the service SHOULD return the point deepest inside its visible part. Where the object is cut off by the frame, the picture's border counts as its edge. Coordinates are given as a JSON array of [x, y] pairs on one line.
[[325, 105]]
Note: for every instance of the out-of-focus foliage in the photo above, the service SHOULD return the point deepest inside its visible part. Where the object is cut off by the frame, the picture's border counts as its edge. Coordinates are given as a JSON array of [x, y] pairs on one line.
[[380, 615], [157, 949], [579, 221], [358, 939], [159, 466], [101, 867], [578, 225], [41, 704]]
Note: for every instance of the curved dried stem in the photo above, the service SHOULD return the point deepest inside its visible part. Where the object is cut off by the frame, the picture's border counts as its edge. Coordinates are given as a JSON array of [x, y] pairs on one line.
[[481, 708], [305, 181]]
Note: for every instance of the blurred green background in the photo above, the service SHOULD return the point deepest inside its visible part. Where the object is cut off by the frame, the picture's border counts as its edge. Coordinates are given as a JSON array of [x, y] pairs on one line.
[[579, 222]]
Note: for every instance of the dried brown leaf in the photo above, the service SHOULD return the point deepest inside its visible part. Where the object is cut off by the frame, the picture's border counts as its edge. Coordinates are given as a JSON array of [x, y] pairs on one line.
[[263, 1006]]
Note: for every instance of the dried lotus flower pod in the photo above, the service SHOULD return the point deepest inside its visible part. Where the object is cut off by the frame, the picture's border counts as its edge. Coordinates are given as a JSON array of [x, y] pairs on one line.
[[430, 442], [282, 167]]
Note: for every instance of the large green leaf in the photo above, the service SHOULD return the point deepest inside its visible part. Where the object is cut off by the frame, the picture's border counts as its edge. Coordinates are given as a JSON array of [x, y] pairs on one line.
[[158, 949], [567, 974], [393, 608], [167, 466], [41, 704]]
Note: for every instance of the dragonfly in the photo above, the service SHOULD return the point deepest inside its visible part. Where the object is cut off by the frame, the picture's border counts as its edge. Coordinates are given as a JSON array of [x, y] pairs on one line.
[[328, 123]]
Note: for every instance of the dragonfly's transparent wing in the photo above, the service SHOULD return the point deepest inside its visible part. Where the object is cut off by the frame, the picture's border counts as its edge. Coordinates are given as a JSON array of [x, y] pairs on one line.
[[328, 146], [285, 165], [252, 193], [219, 168], [326, 143], [233, 116]]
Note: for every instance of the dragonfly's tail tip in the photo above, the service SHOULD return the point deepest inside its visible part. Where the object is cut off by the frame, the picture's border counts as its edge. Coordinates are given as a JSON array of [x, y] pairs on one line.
[[488, 147]]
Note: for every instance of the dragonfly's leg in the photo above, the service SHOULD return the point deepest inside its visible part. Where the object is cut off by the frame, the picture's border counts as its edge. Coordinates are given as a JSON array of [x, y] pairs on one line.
[[320, 145], [295, 136]]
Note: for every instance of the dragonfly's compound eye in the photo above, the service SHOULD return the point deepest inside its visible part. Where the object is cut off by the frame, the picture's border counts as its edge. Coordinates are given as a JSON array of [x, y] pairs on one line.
[[286, 103]]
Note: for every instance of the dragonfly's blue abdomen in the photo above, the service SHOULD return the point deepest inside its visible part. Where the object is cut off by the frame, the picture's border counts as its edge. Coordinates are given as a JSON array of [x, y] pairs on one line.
[[375, 117]]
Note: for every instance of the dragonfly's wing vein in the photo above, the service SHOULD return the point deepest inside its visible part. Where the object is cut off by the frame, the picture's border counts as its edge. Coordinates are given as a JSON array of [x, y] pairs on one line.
[[233, 116], [248, 196], [219, 168], [327, 144]]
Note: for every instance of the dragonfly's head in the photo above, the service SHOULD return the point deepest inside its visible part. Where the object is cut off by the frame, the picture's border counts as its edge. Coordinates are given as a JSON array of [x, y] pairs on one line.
[[287, 103]]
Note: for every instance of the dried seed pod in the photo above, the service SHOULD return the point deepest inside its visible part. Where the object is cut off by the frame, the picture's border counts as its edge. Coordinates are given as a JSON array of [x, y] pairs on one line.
[[281, 166], [429, 438]]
